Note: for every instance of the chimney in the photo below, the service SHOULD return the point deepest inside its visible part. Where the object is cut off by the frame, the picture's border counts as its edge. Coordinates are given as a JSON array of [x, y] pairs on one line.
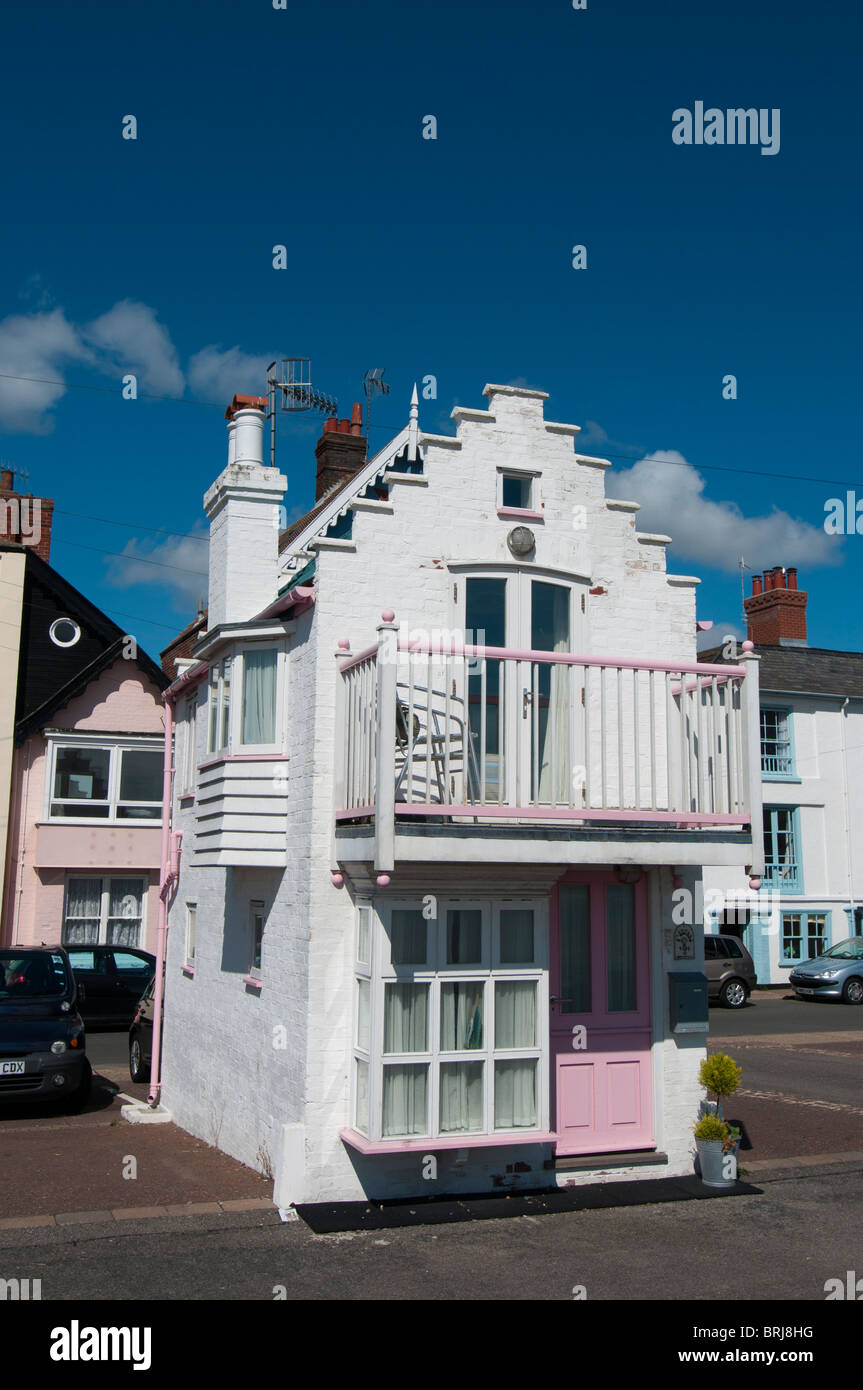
[[340, 452], [244, 510], [776, 616], [25, 519]]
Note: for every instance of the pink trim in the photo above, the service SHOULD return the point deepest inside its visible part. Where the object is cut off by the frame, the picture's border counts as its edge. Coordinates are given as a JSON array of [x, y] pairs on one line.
[[188, 971], [356, 811], [168, 860], [435, 808], [193, 676], [693, 685], [360, 657], [565, 658], [245, 758], [523, 512], [299, 599], [186, 796], [250, 980], [464, 1141]]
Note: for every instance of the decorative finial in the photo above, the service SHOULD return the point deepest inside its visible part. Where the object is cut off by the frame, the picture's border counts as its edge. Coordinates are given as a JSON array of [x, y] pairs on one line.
[[414, 424]]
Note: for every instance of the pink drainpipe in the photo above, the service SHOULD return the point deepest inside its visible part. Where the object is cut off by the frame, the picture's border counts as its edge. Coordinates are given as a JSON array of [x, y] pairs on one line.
[[167, 874]]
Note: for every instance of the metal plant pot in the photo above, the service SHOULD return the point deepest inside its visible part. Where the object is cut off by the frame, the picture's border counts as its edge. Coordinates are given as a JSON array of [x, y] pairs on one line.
[[711, 1162]]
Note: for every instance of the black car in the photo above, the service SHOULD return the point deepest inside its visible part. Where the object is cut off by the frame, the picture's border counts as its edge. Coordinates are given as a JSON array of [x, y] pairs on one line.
[[42, 1044], [141, 1035], [113, 980]]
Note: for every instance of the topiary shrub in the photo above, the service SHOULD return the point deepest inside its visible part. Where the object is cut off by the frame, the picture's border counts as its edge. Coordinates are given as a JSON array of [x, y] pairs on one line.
[[720, 1076]]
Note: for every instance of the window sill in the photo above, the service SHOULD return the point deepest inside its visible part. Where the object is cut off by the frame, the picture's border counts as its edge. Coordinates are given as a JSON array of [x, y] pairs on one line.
[[462, 1141], [252, 983], [186, 796], [260, 757], [520, 514], [188, 971], [781, 777]]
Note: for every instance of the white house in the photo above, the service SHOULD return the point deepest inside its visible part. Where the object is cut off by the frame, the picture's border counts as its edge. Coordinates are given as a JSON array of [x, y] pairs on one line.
[[812, 791], [443, 754]]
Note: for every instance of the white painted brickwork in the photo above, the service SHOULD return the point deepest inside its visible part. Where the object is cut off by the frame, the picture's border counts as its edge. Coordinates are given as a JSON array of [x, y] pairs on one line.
[[224, 1080]]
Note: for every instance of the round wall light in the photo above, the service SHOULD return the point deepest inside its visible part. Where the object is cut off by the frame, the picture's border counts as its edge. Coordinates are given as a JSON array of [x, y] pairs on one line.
[[521, 541]]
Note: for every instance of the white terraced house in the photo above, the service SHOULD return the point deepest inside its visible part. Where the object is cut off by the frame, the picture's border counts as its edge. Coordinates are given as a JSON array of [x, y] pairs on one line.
[[443, 753]]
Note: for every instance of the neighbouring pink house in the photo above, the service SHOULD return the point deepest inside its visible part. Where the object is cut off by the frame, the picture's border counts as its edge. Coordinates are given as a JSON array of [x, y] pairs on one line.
[[83, 843]]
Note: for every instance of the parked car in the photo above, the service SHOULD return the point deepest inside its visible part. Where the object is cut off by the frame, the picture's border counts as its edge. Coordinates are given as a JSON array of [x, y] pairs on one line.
[[837, 974], [114, 978], [729, 969], [141, 1035], [42, 1043]]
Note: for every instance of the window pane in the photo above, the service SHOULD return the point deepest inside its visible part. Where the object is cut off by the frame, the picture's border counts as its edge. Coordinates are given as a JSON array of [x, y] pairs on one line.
[[462, 1109], [620, 938], [130, 966], [409, 937], [257, 939], [82, 774], [575, 996], [141, 775], [363, 998], [213, 714], [406, 1018], [516, 492], [124, 911], [259, 696], [515, 1013], [464, 937], [362, 1111], [461, 1016], [226, 704], [405, 1101], [80, 931], [516, 936], [515, 1095], [364, 935]]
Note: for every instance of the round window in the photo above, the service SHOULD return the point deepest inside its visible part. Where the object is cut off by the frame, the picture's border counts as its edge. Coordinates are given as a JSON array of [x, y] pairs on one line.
[[64, 633]]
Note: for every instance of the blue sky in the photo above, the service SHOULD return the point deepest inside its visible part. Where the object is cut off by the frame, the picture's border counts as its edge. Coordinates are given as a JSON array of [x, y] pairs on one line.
[[449, 257]]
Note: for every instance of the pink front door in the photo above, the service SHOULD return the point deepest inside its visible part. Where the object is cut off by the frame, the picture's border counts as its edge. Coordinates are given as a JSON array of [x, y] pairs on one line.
[[600, 1014]]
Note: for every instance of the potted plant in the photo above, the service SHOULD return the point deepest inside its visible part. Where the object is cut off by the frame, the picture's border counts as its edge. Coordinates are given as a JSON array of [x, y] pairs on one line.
[[715, 1139]]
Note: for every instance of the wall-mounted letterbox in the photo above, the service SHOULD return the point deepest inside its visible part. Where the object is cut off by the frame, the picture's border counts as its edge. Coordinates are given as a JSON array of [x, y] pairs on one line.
[[687, 1003]]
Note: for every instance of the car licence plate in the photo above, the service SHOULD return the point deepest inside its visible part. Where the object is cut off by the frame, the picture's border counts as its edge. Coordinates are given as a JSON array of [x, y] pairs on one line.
[[801, 989], [12, 1068]]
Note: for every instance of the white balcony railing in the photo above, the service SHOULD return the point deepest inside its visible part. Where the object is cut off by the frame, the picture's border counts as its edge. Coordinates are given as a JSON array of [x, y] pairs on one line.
[[479, 733]]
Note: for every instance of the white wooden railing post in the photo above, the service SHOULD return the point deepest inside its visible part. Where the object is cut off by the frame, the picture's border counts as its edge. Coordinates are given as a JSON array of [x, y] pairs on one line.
[[750, 740], [385, 761]]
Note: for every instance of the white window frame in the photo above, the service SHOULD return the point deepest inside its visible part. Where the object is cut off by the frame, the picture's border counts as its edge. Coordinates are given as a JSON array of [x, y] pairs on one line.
[[257, 908], [105, 910], [238, 695], [189, 775], [436, 973], [191, 925], [531, 476], [116, 746], [219, 738]]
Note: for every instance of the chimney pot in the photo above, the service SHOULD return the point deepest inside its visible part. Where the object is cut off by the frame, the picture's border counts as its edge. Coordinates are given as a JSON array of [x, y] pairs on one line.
[[340, 452], [792, 578], [778, 577], [7, 480], [357, 419], [756, 584], [768, 581], [777, 616]]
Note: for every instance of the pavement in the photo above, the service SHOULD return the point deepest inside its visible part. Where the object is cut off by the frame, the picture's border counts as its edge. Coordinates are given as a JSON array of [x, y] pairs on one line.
[[800, 1108]]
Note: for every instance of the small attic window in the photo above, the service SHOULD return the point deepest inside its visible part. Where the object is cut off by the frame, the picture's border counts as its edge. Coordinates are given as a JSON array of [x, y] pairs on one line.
[[516, 491], [64, 633]]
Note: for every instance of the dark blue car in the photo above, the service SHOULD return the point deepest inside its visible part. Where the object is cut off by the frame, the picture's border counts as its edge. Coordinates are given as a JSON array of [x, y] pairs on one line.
[[42, 1043]]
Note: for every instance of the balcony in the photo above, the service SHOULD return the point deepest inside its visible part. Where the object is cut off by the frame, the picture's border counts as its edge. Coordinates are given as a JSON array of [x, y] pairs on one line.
[[477, 751]]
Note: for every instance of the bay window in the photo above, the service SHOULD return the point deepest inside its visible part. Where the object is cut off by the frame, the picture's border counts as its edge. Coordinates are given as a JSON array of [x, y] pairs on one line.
[[447, 1038], [249, 678], [97, 781], [258, 724]]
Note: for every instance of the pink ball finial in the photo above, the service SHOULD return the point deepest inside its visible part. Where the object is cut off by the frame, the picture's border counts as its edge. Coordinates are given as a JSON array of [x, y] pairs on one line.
[[388, 615], [383, 880], [337, 879], [749, 646], [755, 883], [344, 644]]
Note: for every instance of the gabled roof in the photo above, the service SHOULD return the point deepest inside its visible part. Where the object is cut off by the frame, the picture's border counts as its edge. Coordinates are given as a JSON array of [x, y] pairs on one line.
[[808, 670], [50, 676]]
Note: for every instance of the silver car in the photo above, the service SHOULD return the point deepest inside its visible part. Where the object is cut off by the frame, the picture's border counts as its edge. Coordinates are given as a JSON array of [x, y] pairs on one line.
[[838, 974]]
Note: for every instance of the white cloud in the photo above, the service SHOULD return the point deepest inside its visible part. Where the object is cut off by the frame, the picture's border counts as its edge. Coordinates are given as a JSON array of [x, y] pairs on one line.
[[221, 373], [131, 339], [35, 346], [716, 635], [716, 534], [176, 563]]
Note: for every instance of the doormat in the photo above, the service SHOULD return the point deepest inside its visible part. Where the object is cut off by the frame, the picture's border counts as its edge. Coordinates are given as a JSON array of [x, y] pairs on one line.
[[326, 1218]]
